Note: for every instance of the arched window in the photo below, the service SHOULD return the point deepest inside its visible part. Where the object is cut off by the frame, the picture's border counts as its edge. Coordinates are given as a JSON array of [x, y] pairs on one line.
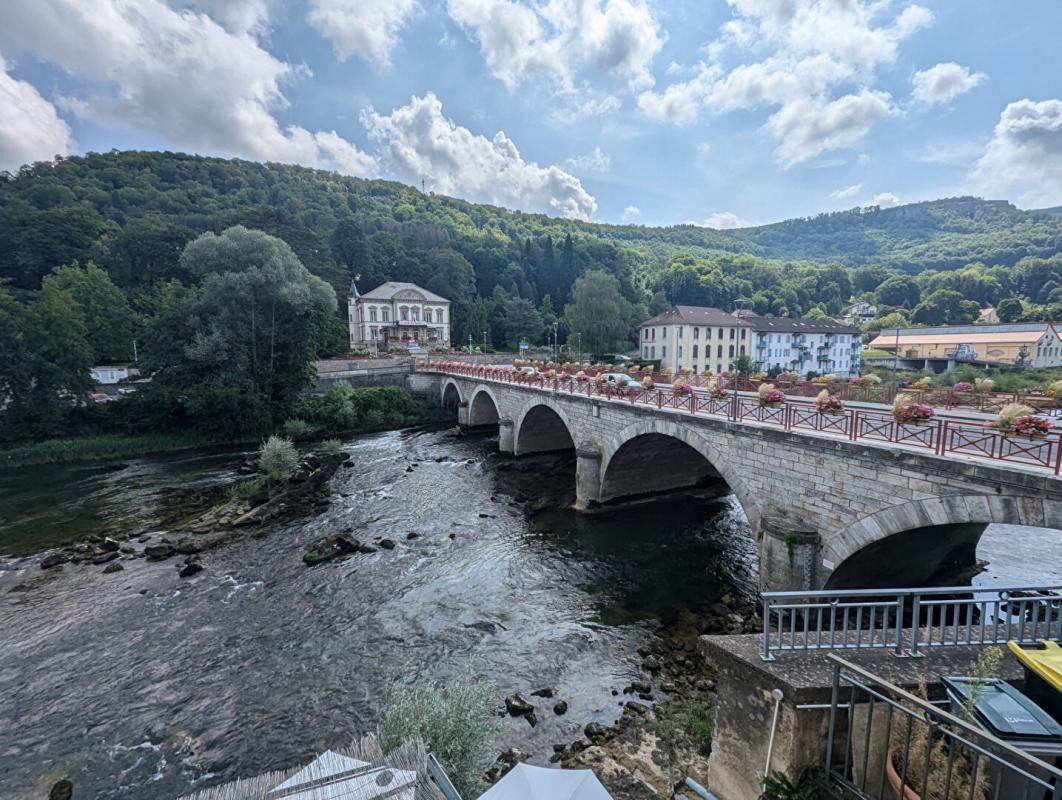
[[438, 315], [404, 312], [372, 314]]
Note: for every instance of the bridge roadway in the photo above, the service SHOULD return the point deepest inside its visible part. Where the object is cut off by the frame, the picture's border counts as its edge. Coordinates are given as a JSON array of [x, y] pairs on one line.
[[837, 501]]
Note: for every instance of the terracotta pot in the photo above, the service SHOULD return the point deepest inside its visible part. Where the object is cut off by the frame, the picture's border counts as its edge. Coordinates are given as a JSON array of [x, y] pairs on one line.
[[894, 778]]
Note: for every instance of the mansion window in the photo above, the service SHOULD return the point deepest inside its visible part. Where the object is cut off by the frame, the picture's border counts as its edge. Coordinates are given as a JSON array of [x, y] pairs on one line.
[[663, 351], [372, 315], [695, 349], [403, 313], [731, 351], [696, 333], [719, 350], [386, 314], [438, 315], [416, 315], [680, 333]]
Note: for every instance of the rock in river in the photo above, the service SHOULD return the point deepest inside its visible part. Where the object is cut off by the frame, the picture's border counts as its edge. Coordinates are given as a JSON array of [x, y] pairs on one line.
[[560, 708], [113, 567], [190, 569], [517, 706], [159, 552], [53, 560], [330, 547]]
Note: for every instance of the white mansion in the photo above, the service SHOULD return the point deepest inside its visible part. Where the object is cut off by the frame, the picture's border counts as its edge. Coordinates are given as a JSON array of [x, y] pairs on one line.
[[701, 338], [394, 314]]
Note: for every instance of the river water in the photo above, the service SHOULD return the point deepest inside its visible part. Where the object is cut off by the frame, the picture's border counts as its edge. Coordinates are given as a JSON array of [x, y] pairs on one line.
[[144, 685]]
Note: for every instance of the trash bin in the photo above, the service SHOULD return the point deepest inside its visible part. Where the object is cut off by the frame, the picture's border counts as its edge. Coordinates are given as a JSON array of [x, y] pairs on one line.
[[1009, 715], [1043, 675]]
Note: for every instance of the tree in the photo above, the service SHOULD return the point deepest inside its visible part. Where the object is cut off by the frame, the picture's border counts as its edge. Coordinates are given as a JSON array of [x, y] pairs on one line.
[[105, 310], [899, 290], [944, 306], [1009, 309], [522, 321], [658, 303], [351, 250], [744, 365], [599, 312], [242, 347]]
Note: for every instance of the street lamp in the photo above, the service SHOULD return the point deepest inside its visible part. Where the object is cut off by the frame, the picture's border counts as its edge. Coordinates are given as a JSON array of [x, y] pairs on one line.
[[484, 342], [895, 361], [556, 347], [470, 344], [579, 340]]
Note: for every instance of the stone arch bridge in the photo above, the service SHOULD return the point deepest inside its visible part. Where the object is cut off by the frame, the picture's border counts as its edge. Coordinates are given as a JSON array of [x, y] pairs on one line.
[[827, 511]]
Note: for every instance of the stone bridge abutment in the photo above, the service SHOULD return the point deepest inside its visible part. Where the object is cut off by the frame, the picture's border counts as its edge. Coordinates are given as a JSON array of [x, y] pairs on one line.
[[825, 511]]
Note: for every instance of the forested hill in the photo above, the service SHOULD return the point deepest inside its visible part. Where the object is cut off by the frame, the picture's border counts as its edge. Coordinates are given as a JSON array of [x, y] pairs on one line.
[[939, 234], [132, 213]]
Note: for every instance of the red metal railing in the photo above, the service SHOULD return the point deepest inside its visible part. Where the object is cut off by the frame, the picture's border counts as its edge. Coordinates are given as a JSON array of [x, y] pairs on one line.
[[971, 438]]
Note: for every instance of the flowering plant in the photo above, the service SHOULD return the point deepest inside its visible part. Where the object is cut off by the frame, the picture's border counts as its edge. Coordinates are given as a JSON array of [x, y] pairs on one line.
[[907, 411], [984, 385], [787, 377], [622, 383], [551, 374], [855, 380], [922, 383], [826, 403], [706, 374], [962, 386], [768, 395], [647, 383], [717, 391], [680, 388], [872, 379], [1009, 414], [1054, 389], [580, 376], [1032, 426]]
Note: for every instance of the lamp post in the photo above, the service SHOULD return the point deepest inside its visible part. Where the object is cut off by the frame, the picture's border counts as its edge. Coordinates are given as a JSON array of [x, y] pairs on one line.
[[484, 342], [895, 362], [470, 344], [556, 347], [579, 339]]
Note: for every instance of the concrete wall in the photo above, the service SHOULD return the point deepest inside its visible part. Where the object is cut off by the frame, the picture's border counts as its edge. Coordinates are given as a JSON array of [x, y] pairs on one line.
[[363, 378], [836, 496]]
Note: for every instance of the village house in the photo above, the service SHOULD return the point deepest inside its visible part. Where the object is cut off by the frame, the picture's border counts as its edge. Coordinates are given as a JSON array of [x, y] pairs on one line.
[[1030, 344]]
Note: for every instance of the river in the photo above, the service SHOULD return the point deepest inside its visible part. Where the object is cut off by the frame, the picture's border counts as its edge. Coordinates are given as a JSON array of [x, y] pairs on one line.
[[141, 684]]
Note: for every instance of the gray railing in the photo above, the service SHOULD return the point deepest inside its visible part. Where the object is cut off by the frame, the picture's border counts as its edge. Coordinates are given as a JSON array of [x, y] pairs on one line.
[[882, 739], [907, 621]]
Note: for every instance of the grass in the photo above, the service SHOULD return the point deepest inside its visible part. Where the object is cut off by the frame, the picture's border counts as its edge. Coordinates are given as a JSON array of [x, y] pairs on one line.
[[89, 448]]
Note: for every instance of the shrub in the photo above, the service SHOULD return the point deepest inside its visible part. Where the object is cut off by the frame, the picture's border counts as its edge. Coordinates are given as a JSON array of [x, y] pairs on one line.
[[768, 395], [455, 720], [962, 386], [984, 385], [872, 379], [717, 391], [907, 411], [278, 458], [331, 447], [297, 429], [826, 403], [1009, 413]]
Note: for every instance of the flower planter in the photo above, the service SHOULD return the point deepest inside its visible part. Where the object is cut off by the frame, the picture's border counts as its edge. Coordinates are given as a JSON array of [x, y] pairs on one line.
[[895, 781]]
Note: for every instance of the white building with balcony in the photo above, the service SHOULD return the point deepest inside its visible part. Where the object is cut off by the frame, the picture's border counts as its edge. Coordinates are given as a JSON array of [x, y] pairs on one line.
[[394, 314], [804, 345]]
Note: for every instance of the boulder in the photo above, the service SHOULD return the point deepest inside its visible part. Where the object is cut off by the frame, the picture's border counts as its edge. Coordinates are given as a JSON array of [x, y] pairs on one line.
[[109, 544], [367, 548], [517, 706], [560, 708], [329, 547], [159, 552], [61, 790], [53, 560], [387, 544], [113, 567], [545, 691], [643, 687], [594, 731], [652, 663], [188, 546], [103, 558], [190, 569]]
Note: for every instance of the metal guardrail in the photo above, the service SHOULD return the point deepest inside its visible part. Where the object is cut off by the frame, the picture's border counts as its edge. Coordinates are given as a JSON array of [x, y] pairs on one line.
[[907, 621], [882, 738]]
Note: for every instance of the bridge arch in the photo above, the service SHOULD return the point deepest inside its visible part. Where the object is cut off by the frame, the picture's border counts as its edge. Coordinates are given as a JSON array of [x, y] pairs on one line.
[[658, 454], [450, 395], [483, 407], [542, 427], [918, 539]]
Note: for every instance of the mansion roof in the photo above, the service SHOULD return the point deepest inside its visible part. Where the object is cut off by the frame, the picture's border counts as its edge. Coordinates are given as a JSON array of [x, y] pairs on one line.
[[694, 315], [397, 290]]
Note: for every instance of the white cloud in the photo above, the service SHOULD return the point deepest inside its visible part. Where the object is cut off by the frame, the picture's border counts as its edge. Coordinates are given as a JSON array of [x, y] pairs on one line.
[[943, 83], [885, 200], [368, 29], [631, 213], [806, 127], [236, 15], [595, 161], [418, 143], [563, 39], [726, 219], [179, 76], [30, 128], [1024, 155], [846, 192], [813, 47]]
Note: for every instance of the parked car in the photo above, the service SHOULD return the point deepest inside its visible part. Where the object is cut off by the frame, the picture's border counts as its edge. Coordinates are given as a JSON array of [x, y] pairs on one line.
[[612, 358], [614, 378]]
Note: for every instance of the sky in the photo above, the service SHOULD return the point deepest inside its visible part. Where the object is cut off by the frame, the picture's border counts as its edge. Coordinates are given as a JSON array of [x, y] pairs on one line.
[[722, 113]]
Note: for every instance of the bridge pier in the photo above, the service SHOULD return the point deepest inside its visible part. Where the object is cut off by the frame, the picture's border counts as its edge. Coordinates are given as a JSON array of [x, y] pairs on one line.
[[789, 556], [462, 413], [587, 477], [506, 437]]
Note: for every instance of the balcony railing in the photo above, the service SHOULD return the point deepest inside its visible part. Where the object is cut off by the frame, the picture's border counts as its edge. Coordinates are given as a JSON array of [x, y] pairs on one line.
[[908, 621], [876, 730]]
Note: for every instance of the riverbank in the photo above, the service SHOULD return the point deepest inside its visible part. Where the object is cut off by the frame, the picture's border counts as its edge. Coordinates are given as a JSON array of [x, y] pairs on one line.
[[98, 448]]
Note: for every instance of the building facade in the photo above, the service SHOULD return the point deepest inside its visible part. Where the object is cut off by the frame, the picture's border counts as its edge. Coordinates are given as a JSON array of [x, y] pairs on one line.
[[1030, 344], [804, 345], [395, 314], [694, 337]]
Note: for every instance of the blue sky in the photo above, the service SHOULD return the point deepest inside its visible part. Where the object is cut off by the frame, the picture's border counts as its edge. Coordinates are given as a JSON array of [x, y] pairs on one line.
[[717, 112]]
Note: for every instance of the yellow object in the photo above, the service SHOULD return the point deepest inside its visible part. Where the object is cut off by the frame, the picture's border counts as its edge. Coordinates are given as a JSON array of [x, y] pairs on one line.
[[1045, 662]]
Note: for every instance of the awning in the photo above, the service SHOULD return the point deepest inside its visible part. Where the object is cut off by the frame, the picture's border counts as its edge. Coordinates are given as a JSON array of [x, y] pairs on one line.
[[525, 782]]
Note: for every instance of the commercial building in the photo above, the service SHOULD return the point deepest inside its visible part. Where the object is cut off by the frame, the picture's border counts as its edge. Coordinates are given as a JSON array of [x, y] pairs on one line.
[[1030, 344], [396, 314]]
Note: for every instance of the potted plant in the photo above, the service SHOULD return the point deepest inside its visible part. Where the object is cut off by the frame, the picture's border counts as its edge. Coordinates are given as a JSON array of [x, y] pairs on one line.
[[908, 411], [922, 383], [647, 383], [962, 386], [680, 388], [826, 403], [769, 396], [580, 376], [1030, 426], [717, 391]]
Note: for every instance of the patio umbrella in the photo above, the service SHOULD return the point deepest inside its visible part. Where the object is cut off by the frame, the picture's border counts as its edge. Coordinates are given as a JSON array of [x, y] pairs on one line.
[[525, 782]]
